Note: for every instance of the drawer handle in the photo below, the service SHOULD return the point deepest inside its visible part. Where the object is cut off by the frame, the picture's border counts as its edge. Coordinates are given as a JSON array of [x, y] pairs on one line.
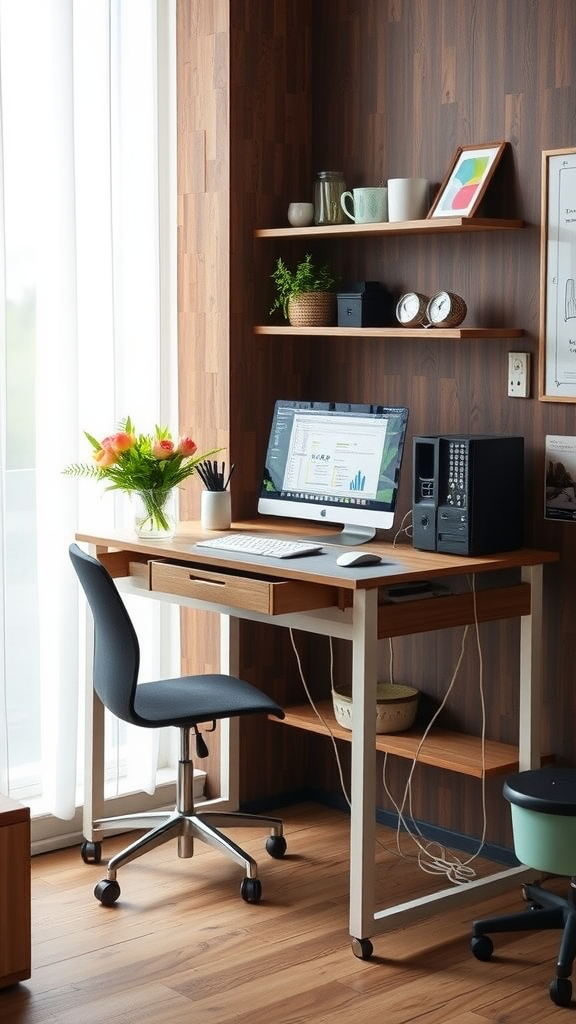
[[201, 579]]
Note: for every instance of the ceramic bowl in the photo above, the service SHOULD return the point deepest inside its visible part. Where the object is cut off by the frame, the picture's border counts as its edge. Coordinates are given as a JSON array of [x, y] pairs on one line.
[[396, 706]]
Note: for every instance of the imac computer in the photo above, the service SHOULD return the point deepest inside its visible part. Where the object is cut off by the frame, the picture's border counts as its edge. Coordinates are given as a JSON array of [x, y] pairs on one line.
[[334, 462]]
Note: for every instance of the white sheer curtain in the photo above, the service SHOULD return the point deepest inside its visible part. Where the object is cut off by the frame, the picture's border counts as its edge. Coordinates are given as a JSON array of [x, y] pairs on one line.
[[89, 191]]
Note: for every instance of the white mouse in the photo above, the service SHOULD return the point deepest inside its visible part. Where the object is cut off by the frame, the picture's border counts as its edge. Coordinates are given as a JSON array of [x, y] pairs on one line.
[[350, 559]]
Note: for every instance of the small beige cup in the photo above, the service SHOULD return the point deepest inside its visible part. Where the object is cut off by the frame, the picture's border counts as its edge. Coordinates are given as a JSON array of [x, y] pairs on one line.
[[300, 215], [215, 510], [408, 198], [370, 205]]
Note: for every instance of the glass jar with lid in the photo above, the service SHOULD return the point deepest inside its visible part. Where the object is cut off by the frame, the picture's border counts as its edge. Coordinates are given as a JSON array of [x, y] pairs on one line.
[[328, 188]]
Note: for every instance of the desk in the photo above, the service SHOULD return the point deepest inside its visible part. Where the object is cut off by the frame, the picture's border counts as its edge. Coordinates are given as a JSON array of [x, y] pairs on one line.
[[315, 595]]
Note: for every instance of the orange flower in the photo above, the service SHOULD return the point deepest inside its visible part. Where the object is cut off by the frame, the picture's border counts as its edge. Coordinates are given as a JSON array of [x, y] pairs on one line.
[[162, 448], [121, 442], [106, 456], [186, 446]]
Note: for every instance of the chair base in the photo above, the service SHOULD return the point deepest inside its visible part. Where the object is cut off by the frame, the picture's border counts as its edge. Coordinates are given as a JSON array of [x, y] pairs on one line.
[[546, 910], [164, 826], [184, 825]]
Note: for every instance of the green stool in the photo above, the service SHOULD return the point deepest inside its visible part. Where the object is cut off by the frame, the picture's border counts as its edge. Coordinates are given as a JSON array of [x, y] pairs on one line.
[[543, 806]]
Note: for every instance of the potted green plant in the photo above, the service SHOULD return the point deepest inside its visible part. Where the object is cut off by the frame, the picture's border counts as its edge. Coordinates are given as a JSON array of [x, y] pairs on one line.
[[304, 295]]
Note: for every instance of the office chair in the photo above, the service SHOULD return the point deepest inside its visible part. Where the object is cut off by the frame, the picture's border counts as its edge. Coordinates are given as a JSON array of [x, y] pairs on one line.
[[185, 703], [543, 807]]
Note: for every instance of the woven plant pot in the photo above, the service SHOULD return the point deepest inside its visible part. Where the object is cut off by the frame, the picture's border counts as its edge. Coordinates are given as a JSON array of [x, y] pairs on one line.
[[312, 309]]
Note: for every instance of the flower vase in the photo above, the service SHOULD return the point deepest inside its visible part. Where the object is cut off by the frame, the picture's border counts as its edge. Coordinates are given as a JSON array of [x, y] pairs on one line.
[[155, 513]]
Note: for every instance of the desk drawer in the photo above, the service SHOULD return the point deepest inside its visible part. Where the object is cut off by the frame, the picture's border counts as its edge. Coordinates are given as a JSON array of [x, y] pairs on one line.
[[240, 589]]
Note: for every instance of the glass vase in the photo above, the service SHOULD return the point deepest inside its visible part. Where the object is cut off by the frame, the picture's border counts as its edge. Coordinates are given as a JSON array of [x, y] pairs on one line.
[[155, 513]]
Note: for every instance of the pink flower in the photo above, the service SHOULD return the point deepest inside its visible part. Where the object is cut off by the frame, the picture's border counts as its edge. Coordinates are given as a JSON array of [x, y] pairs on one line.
[[162, 448], [105, 456], [186, 446]]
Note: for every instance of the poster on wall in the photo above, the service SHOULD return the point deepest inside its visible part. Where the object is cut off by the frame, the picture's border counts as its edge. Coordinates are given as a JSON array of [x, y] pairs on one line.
[[558, 277], [560, 483]]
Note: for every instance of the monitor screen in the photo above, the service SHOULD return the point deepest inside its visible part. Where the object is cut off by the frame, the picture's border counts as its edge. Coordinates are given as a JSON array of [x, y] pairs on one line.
[[336, 463]]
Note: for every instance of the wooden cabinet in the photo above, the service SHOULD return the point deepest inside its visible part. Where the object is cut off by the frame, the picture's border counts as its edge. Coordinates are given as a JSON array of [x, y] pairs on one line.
[[14, 892]]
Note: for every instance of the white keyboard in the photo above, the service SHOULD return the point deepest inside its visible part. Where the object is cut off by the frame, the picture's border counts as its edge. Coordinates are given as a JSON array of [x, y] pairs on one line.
[[253, 545]]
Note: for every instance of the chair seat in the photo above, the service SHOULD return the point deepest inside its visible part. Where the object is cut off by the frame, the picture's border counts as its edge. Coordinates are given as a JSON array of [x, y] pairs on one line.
[[169, 701]]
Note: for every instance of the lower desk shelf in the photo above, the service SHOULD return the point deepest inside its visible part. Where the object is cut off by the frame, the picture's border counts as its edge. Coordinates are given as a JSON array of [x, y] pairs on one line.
[[456, 752]]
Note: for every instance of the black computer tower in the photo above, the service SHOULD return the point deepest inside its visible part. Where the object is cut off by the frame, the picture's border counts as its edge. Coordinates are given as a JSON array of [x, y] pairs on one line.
[[468, 493]]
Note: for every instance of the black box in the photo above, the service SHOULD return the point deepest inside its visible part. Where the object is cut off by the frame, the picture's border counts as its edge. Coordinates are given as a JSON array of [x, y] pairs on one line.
[[365, 304], [468, 493]]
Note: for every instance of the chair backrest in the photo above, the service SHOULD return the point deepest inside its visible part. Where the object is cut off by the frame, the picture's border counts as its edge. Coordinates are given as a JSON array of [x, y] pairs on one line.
[[116, 648]]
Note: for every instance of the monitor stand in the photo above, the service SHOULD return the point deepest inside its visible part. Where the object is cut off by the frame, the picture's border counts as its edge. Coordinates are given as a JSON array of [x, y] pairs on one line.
[[349, 535]]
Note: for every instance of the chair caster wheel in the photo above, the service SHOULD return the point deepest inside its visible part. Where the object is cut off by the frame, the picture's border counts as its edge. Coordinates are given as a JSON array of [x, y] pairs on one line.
[[107, 892], [482, 947], [276, 846], [91, 853], [560, 990], [362, 948], [251, 890]]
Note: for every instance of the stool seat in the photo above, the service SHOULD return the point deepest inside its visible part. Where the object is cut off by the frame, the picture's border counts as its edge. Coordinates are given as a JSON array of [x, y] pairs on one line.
[[549, 790]]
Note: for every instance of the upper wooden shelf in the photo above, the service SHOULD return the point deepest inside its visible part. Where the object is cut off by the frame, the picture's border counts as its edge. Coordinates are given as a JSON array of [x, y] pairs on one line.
[[431, 333], [432, 226]]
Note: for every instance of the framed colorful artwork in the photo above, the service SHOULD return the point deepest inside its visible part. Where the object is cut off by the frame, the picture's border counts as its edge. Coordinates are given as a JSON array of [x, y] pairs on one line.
[[467, 180], [558, 277]]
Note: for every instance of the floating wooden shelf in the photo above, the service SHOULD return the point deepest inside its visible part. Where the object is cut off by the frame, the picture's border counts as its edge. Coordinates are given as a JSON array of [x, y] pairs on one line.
[[453, 751], [433, 226], [431, 334]]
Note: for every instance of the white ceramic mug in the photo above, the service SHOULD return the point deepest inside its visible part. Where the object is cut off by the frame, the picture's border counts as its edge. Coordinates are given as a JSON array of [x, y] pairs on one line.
[[215, 510], [408, 198], [300, 215], [370, 205]]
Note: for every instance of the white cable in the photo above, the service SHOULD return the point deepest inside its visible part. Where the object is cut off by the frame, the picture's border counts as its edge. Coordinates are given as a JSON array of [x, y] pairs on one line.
[[318, 713], [456, 870]]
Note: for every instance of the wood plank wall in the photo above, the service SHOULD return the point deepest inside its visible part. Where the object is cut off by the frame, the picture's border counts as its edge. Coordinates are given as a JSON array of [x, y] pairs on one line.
[[270, 91]]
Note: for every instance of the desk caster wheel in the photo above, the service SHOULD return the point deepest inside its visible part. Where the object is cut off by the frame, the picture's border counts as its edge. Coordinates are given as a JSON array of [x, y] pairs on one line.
[[276, 846], [560, 990], [251, 890], [91, 853], [362, 948], [107, 892], [482, 947]]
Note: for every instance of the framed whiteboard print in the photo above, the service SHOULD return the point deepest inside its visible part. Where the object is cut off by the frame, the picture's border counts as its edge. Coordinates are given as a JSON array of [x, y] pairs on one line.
[[558, 277], [464, 186]]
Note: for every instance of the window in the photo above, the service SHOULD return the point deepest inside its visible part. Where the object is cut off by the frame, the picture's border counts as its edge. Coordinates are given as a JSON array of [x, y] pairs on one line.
[[88, 294]]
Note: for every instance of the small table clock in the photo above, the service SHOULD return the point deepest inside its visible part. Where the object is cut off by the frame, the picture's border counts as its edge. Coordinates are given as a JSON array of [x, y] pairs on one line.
[[411, 309], [446, 309]]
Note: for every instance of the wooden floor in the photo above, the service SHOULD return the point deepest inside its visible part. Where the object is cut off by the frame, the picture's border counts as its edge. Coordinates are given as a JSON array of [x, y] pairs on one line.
[[181, 945]]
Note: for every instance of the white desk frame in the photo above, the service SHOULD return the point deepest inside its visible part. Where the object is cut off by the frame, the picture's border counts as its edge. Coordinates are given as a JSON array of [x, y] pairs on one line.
[[357, 624]]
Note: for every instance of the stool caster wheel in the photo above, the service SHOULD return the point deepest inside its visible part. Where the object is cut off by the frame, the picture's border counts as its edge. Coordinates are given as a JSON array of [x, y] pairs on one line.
[[560, 990], [251, 890], [362, 948], [107, 892], [91, 853]]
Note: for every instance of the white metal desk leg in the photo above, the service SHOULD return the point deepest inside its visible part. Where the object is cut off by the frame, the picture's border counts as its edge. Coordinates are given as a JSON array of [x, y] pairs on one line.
[[363, 789], [531, 669], [230, 727], [93, 746]]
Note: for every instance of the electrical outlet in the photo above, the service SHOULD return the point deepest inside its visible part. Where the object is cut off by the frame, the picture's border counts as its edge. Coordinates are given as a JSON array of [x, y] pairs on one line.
[[518, 374]]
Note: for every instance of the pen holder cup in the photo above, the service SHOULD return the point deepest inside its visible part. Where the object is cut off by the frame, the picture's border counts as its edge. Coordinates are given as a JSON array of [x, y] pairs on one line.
[[215, 510]]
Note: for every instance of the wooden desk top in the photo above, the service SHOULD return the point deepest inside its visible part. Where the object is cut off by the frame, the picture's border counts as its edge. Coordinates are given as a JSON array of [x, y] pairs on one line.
[[401, 562]]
